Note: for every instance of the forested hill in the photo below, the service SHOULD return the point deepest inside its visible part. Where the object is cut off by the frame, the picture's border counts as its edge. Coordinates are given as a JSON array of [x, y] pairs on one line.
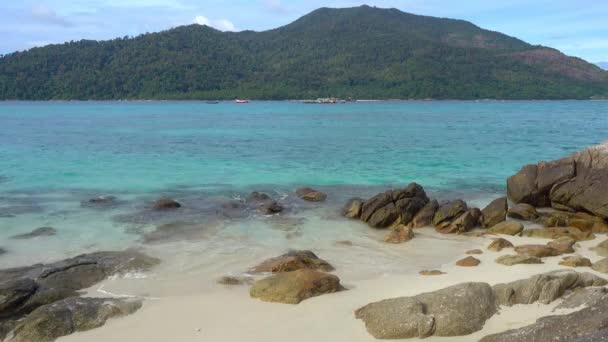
[[360, 52]]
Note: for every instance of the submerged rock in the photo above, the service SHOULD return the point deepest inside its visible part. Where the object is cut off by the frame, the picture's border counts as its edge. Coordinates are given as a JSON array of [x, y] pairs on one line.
[[292, 261], [544, 288], [296, 286], [523, 211], [507, 228], [235, 281], [453, 311], [100, 202], [424, 218], [166, 204], [352, 209], [175, 231], [49, 322], [311, 195], [495, 212], [499, 244], [42, 231], [2, 251], [510, 260]]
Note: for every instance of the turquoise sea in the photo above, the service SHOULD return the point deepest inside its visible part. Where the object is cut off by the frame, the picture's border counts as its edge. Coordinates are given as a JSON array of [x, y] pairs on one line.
[[53, 155]]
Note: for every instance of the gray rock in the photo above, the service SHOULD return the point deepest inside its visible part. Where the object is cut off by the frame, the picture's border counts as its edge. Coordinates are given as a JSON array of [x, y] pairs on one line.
[[454, 311], [586, 325], [2, 251], [601, 266], [584, 297], [495, 212], [42, 231], [463, 223], [449, 211], [523, 211], [394, 207], [49, 322], [166, 204], [424, 218], [544, 288], [521, 187]]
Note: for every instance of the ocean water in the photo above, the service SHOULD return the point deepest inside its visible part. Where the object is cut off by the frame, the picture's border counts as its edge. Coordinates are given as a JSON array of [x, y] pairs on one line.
[[53, 155]]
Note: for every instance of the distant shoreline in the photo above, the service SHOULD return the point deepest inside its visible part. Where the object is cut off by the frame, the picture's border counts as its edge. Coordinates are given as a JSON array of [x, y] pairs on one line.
[[303, 101]]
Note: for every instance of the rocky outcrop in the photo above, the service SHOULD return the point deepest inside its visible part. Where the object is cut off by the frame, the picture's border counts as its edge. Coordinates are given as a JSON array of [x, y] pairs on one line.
[[499, 244], [523, 211], [424, 218], [64, 317], [577, 183], [507, 228], [311, 195], [42, 231], [352, 209], [292, 261], [453, 311], [463, 223], [449, 211], [394, 206], [544, 288], [587, 325], [400, 234], [166, 204], [495, 212], [294, 287], [561, 232], [510, 260], [582, 221]]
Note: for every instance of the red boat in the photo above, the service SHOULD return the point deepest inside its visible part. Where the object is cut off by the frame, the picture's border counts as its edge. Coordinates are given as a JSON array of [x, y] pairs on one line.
[[241, 101]]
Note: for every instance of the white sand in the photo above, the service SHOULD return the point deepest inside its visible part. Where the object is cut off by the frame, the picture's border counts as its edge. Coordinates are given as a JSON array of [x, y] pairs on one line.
[[228, 314]]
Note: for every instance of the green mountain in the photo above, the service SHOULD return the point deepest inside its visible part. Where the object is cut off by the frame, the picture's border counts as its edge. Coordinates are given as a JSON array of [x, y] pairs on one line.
[[360, 52]]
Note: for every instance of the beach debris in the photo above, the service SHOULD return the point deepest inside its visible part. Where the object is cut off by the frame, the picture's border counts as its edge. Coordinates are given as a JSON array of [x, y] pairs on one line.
[[575, 261], [507, 228], [166, 204], [499, 244], [510, 260], [523, 211], [400, 234], [424, 218], [495, 212], [453, 311], [292, 261], [296, 286], [38, 232], [394, 207], [352, 209], [468, 262], [311, 195], [539, 251]]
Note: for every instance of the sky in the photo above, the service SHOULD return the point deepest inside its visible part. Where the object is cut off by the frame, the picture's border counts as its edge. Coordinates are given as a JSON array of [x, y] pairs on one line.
[[576, 27]]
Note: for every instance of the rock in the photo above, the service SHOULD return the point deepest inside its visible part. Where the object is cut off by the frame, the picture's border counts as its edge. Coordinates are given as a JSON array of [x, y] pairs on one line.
[[294, 287], [499, 244], [257, 197], [601, 249], [344, 243], [587, 296], [175, 231], [468, 262], [533, 183], [14, 293], [311, 195], [431, 273], [495, 212], [292, 261], [507, 228], [523, 211], [586, 325], [474, 251], [544, 288], [539, 251], [562, 245], [67, 316], [100, 202], [270, 208], [583, 221], [352, 209], [43, 231], [394, 207], [166, 204], [400, 234], [575, 261], [510, 260], [601, 266], [556, 233], [235, 281], [424, 218], [2, 251], [453, 311], [464, 223], [448, 212]]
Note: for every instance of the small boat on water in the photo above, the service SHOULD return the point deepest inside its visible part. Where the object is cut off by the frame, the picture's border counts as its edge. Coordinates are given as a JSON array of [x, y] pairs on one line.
[[241, 101], [213, 102]]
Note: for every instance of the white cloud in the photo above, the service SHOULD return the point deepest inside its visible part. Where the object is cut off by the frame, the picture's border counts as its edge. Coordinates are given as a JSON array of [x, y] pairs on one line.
[[47, 15], [273, 5], [221, 24]]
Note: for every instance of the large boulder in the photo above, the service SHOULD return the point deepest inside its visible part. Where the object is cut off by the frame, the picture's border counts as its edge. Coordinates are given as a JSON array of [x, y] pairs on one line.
[[448, 212], [495, 212], [292, 261], [424, 217], [352, 209], [294, 287], [507, 228], [400, 234], [51, 321], [394, 206], [601, 265], [42, 231], [464, 223], [523, 211], [544, 288], [453, 311], [587, 325], [311, 195]]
